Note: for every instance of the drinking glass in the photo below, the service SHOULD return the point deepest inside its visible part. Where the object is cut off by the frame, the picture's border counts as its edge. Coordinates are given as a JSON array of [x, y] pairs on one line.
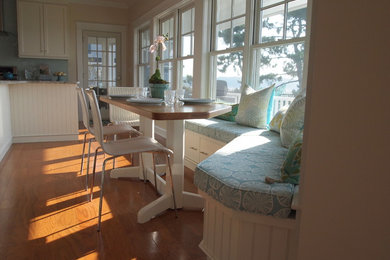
[[145, 92], [169, 97], [179, 97]]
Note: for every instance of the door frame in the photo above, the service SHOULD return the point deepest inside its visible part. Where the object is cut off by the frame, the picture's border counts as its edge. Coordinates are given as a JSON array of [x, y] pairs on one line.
[[117, 36], [82, 26]]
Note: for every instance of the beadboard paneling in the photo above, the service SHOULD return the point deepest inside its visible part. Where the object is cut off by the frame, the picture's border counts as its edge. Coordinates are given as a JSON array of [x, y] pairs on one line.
[[5, 121], [43, 112], [234, 235]]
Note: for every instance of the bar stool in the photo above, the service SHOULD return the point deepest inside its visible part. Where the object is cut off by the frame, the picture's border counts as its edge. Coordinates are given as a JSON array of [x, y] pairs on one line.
[[140, 144], [111, 130]]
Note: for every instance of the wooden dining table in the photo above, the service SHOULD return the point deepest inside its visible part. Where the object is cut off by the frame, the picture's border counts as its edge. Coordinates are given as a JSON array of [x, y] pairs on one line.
[[175, 117]]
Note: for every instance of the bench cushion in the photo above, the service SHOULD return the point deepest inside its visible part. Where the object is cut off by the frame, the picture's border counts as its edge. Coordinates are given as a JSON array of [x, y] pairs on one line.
[[234, 176], [221, 130]]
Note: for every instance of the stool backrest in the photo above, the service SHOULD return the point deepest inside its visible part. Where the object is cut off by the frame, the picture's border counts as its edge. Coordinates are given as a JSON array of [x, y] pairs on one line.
[[96, 117], [84, 109], [118, 114]]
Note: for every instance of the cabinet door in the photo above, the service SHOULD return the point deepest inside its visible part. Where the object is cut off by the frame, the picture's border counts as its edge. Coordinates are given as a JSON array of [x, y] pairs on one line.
[[30, 29], [56, 28]]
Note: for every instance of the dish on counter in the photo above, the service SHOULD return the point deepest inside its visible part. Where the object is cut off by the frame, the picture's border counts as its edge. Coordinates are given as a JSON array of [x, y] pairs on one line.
[[197, 100], [151, 101]]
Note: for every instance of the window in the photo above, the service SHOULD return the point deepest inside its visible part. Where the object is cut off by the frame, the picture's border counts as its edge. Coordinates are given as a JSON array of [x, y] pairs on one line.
[[227, 56], [177, 61], [274, 54], [167, 26], [279, 48], [143, 57], [186, 50]]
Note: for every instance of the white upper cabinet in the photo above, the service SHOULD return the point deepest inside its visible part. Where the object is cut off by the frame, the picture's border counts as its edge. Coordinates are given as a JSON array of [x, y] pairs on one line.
[[42, 30]]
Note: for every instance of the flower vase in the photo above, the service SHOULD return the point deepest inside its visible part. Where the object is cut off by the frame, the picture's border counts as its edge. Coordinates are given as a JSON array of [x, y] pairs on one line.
[[157, 90], [60, 78]]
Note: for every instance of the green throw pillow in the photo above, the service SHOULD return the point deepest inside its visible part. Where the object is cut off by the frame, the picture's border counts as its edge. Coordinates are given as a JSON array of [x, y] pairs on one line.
[[253, 107], [230, 116], [290, 170]]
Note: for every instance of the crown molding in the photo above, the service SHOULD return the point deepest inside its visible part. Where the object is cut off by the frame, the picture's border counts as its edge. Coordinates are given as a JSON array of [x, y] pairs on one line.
[[104, 3]]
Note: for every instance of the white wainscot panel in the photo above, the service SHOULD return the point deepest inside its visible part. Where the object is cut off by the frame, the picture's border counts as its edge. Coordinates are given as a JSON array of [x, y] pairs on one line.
[[236, 235], [43, 112]]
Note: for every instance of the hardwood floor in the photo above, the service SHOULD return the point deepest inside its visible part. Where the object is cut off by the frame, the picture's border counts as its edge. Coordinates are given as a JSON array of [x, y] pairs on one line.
[[45, 214]]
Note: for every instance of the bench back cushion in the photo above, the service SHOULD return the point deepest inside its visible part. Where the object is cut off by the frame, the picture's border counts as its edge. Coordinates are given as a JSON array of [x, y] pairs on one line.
[[253, 107], [293, 121]]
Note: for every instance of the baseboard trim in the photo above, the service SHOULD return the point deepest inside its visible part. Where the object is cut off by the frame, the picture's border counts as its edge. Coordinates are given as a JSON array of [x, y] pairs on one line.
[[4, 149], [44, 138]]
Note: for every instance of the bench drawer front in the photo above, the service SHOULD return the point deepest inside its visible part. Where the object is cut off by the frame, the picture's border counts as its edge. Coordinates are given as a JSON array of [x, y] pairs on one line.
[[207, 147], [192, 146]]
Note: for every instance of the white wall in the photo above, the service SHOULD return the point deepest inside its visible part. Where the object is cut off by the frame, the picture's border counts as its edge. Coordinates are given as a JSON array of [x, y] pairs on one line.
[[346, 178], [5, 121]]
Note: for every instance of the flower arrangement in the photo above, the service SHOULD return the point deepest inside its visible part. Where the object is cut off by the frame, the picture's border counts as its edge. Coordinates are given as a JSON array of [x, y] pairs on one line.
[[59, 74], [158, 43]]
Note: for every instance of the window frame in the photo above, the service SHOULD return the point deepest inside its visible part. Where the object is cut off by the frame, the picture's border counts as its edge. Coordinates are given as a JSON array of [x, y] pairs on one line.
[[256, 45], [138, 57]]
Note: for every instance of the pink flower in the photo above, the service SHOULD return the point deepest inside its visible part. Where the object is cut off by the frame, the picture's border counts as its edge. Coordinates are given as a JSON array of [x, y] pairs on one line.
[[152, 48], [160, 39], [163, 46]]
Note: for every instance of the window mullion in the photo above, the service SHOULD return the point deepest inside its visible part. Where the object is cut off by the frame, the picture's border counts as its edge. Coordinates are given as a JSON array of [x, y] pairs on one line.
[[285, 21]]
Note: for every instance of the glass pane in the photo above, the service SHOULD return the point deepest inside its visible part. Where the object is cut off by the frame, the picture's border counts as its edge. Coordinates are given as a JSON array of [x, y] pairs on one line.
[[229, 77], [102, 44], [186, 22], [102, 84], [102, 58], [282, 65], [238, 32], [223, 36], [143, 76], [167, 27], [145, 55], [296, 19], [92, 41], [168, 53], [239, 7], [92, 73], [92, 58], [111, 44], [187, 45], [113, 55], [272, 20], [223, 10], [166, 72], [102, 73], [265, 3], [187, 71], [92, 84], [145, 41]]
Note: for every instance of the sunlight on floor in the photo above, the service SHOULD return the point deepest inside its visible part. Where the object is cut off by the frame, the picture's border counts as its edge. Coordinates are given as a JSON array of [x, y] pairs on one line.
[[90, 255], [66, 221]]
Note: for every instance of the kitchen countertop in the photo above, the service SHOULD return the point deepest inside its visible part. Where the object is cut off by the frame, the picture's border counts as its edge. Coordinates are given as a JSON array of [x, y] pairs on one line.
[[13, 82]]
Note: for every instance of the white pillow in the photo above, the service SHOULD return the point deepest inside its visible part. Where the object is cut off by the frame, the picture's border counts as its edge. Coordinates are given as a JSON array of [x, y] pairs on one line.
[[293, 121], [276, 121], [252, 110]]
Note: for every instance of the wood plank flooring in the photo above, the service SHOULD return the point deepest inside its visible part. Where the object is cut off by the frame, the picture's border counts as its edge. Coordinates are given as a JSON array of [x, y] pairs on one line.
[[45, 214]]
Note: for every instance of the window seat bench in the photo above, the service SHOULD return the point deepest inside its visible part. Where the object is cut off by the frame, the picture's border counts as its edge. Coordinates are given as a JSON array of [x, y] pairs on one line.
[[244, 217], [206, 136]]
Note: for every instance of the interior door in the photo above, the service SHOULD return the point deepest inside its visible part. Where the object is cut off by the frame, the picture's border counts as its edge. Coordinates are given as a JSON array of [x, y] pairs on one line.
[[101, 63]]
